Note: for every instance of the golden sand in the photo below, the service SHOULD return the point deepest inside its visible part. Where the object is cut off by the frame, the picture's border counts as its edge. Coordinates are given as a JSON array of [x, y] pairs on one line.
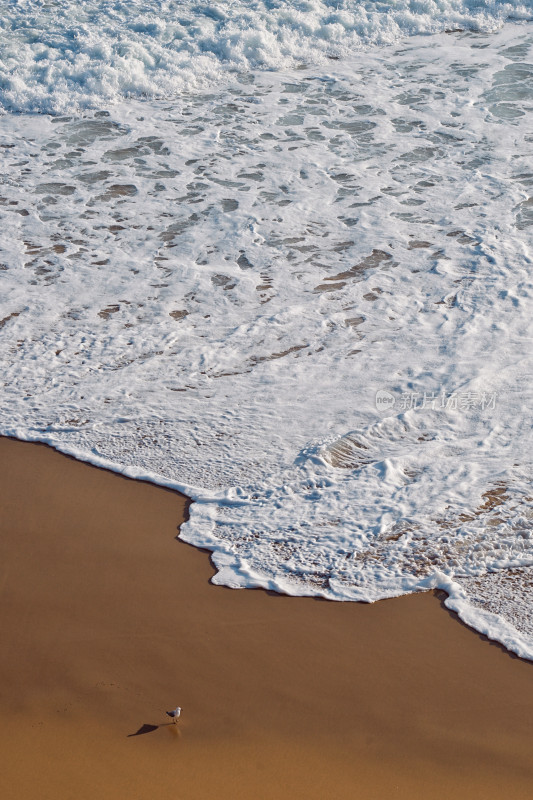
[[108, 620]]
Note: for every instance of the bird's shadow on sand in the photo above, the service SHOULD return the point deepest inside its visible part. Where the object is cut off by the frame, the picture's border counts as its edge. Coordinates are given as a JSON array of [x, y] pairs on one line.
[[146, 728]]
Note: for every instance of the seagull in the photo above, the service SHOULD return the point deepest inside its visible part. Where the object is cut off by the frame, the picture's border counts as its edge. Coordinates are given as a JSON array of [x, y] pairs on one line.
[[174, 714]]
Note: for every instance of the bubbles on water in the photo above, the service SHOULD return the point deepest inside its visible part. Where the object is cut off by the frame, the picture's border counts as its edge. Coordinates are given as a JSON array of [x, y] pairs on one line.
[[68, 56]]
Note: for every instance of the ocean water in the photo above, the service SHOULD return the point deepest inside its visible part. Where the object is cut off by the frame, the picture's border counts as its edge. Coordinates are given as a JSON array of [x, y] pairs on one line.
[[279, 256]]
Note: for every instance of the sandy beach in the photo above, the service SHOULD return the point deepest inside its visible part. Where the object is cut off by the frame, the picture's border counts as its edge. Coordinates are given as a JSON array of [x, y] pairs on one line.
[[108, 620]]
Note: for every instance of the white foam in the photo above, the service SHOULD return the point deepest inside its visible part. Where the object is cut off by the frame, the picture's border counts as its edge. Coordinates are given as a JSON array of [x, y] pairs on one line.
[[209, 291], [68, 55]]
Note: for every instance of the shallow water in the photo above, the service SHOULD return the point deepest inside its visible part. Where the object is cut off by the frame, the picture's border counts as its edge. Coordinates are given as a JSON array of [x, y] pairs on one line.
[[304, 297]]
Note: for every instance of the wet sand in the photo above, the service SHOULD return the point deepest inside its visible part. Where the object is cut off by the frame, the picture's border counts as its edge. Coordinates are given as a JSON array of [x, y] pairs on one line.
[[108, 620]]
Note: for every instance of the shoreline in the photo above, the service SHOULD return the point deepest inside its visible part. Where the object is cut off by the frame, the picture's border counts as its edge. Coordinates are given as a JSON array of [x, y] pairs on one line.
[[109, 620], [139, 476]]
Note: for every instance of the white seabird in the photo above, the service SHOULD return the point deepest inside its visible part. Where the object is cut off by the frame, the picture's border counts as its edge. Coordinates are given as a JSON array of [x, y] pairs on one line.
[[174, 714]]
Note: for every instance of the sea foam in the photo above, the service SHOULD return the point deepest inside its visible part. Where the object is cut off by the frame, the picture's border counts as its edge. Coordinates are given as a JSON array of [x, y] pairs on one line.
[[302, 296], [63, 56]]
